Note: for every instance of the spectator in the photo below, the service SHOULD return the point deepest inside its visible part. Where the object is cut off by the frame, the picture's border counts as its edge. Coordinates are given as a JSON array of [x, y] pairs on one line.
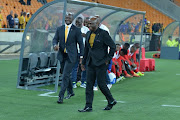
[[22, 2], [27, 18], [16, 22], [28, 2], [10, 21], [145, 20], [137, 28], [147, 27], [1, 20], [22, 21], [22, 12]]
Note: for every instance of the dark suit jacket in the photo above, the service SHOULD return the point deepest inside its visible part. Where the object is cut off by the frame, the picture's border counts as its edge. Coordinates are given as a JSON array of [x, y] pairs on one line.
[[73, 38], [99, 52]]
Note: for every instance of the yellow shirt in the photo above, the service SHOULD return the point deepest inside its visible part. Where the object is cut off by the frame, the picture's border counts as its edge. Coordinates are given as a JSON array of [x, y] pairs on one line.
[[22, 21], [169, 43], [91, 40], [27, 19], [175, 43]]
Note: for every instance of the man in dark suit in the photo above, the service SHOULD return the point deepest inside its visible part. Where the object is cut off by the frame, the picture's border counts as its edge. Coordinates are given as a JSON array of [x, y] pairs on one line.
[[67, 36], [96, 57]]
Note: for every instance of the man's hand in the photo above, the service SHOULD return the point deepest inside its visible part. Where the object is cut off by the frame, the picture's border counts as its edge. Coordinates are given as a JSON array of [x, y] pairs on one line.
[[84, 35], [107, 62], [83, 67], [56, 48], [80, 61]]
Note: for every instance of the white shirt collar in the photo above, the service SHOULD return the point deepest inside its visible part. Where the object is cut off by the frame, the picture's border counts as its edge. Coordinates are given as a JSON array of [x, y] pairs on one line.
[[69, 26]]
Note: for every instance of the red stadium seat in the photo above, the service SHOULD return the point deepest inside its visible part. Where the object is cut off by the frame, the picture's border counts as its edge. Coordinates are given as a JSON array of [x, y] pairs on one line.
[[146, 64]]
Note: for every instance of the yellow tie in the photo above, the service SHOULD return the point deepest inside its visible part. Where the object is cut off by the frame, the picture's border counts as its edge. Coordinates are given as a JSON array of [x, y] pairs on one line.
[[91, 40], [66, 34]]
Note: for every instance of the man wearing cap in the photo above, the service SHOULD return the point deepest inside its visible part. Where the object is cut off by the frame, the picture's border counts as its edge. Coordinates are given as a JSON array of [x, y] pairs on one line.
[[67, 36], [97, 58]]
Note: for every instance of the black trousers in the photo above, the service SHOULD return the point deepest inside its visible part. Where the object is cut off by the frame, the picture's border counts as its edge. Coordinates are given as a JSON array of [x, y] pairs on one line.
[[66, 67], [98, 72]]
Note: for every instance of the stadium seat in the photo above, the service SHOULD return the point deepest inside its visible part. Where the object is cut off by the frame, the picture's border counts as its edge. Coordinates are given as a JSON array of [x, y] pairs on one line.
[[144, 63], [151, 64], [43, 67], [43, 60]]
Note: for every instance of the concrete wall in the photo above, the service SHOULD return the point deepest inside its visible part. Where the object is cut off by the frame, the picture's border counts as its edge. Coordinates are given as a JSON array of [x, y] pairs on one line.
[[10, 37]]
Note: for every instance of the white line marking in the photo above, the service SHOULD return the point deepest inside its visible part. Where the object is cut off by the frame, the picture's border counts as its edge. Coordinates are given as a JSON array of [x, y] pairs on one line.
[[47, 94], [116, 101], [177, 74], [170, 106]]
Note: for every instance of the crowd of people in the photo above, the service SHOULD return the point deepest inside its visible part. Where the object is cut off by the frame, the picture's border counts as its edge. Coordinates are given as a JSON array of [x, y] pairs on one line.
[[124, 63], [157, 28], [128, 28], [98, 57], [17, 22]]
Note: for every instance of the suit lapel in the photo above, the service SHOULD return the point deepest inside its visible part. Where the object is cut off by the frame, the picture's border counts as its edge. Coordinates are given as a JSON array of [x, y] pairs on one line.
[[96, 37], [87, 38], [63, 35]]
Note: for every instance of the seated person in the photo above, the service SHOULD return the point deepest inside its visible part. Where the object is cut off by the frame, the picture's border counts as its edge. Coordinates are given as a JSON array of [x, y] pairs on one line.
[[115, 66], [123, 62], [169, 43], [132, 55], [175, 42]]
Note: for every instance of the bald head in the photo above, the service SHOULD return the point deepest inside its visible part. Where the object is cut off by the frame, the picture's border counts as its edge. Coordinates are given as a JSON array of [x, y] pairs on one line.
[[11, 12]]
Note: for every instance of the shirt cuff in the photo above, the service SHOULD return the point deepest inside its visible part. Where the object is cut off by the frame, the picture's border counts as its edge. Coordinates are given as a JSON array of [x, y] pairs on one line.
[[81, 56]]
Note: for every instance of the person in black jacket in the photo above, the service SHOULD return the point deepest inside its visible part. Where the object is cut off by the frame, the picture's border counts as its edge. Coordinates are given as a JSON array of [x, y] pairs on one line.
[[28, 2], [67, 36], [97, 58]]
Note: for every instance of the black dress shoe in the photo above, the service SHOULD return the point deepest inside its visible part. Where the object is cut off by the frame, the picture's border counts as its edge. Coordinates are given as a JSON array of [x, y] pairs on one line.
[[60, 100], [69, 96], [86, 109], [109, 106]]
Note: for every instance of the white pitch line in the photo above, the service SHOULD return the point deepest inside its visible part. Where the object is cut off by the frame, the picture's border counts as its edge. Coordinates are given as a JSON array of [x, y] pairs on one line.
[[116, 101], [177, 74], [170, 106], [47, 94]]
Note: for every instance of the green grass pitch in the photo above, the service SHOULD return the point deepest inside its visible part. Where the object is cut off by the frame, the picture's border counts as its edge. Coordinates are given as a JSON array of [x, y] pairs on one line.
[[143, 97]]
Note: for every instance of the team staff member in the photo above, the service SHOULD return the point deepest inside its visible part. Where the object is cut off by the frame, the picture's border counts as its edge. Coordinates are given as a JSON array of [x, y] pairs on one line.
[[22, 21], [97, 59], [67, 36]]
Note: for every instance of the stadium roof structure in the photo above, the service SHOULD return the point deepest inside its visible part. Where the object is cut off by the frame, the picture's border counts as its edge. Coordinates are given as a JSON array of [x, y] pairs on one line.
[[39, 32]]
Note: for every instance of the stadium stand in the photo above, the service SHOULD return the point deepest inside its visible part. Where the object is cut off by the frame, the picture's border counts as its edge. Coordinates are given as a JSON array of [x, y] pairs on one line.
[[177, 2], [16, 7], [153, 15]]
